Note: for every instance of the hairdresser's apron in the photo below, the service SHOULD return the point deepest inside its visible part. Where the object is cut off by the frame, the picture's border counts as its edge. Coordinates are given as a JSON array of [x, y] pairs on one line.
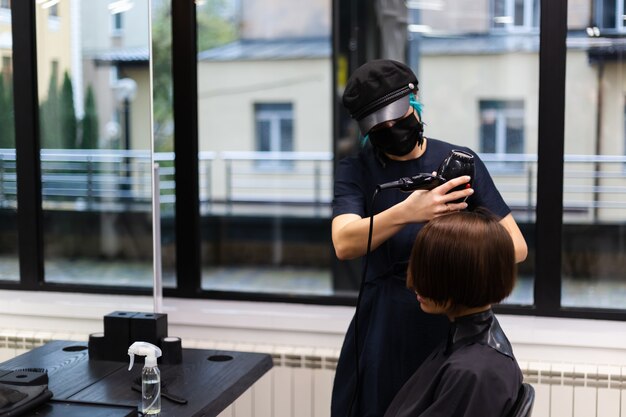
[[395, 336]]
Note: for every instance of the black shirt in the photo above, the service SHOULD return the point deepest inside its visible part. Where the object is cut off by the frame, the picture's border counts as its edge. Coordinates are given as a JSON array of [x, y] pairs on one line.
[[356, 180]]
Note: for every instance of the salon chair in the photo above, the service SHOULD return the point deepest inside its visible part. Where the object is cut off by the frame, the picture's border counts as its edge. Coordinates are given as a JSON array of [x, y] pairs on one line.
[[524, 403]]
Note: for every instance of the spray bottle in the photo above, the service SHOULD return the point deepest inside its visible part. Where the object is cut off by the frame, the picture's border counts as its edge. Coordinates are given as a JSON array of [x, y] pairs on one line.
[[150, 376]]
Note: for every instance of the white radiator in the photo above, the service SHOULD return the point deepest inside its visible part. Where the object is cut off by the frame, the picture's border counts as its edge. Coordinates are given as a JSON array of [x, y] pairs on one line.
[[300, 383]]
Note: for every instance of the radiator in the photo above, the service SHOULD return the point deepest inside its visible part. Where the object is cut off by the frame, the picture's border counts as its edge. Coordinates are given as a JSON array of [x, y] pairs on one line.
[[300, 383]]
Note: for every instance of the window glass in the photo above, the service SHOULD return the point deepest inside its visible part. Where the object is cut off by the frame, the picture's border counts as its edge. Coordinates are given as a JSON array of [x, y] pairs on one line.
[[274, 132], [479, 88], [502, 126], [515, 14], [607, 13], [9, 266], [594, 194], [274, 127], [94, 96], [264, 96], [163, 128], [117, 22]]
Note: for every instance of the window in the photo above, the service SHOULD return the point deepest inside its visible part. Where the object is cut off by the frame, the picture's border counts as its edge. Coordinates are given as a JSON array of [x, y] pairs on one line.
[[515, 14], [261, 64], [274, 132], [502, 128], [117, 23], [5, 4], [86, 177], [240, 111], [274, 127], [593, 253], [609, 14]]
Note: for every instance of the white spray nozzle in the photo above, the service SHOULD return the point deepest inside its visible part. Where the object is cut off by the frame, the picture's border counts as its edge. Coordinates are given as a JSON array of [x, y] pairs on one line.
[[146, 349]]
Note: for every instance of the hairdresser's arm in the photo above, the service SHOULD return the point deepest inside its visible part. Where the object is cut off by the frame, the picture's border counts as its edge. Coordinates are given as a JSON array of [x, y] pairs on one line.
[[521, 250], [350, 231]]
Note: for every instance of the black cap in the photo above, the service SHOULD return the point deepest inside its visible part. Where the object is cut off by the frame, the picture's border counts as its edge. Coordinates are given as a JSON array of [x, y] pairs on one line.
[[378, 91]]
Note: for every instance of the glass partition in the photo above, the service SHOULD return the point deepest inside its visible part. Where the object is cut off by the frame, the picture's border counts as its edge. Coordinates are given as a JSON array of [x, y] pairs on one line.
[[94, 94], [594, 195], [9, 266], [163, 126]]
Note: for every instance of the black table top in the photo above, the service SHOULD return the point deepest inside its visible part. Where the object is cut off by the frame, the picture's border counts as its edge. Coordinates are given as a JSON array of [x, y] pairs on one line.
[[210, 380]]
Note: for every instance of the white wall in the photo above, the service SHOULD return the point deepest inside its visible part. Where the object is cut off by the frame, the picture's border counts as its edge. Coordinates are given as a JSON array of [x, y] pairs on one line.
[[533, 338]]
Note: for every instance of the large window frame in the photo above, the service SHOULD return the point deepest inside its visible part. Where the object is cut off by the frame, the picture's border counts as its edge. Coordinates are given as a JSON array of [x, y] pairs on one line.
[[549, 222]]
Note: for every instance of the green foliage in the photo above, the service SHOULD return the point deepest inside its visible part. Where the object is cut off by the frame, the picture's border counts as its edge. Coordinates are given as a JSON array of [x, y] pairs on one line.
[[162, 77], [216, 24], [90, 122], [7, 121], [58, 126], [69, 125], [49, 124], [215, 27]]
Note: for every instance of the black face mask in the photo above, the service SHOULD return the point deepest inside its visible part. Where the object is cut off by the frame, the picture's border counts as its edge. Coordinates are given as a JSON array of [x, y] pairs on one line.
[[399, 139]]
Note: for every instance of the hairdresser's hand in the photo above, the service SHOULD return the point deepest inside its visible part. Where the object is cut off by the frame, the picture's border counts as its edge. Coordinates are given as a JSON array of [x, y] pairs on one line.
[[423, 206], [350, 231]]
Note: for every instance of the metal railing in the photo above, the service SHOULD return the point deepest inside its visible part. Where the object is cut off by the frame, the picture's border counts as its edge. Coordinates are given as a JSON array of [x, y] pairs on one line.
[[594, 186], [284, 178]]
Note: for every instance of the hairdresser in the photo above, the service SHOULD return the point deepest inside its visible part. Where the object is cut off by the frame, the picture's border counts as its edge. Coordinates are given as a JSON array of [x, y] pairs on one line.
[[394, 335]]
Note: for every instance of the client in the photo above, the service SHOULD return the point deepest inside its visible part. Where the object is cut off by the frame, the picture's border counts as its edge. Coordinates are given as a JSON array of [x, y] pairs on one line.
[[460, 264]]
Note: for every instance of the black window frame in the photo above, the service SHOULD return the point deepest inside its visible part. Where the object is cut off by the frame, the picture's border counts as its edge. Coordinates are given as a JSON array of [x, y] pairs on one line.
[[350, 31]]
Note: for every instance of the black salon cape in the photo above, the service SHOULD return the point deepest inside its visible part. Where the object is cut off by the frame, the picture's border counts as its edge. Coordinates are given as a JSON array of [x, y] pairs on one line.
[[395, 336], [472, 374]]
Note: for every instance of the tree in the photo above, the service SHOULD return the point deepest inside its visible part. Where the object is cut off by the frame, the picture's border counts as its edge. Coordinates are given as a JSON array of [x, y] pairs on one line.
[[90, 122], [50, 126], [215, 26], [7, 122], [68, 115]]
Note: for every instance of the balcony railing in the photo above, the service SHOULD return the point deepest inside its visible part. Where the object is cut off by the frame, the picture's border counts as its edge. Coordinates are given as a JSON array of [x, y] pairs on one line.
[[298, 183]]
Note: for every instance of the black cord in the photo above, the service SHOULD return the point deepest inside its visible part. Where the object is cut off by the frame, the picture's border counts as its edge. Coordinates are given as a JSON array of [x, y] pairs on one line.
[[356, 397]]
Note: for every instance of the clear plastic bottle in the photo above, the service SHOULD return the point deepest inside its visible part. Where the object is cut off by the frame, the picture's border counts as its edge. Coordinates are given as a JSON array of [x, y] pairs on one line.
[[150, 376], [150, 389]]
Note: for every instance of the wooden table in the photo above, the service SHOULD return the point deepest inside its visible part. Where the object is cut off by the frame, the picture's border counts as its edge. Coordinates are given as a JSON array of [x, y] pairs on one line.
[[210, 380]]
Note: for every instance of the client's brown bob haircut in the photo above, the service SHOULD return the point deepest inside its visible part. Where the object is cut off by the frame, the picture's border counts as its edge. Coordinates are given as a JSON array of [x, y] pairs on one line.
[[466, 258]]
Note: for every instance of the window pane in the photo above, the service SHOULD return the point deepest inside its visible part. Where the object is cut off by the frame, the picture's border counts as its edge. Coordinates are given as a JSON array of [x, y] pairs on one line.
[[94, 94], [9, 266], [286, 135], [263, 132], [519, 12], [499, 18], [490, 97], [502, 126], [594, 195], [264, 88], [488, 130], [608, 13], [163, 128]]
